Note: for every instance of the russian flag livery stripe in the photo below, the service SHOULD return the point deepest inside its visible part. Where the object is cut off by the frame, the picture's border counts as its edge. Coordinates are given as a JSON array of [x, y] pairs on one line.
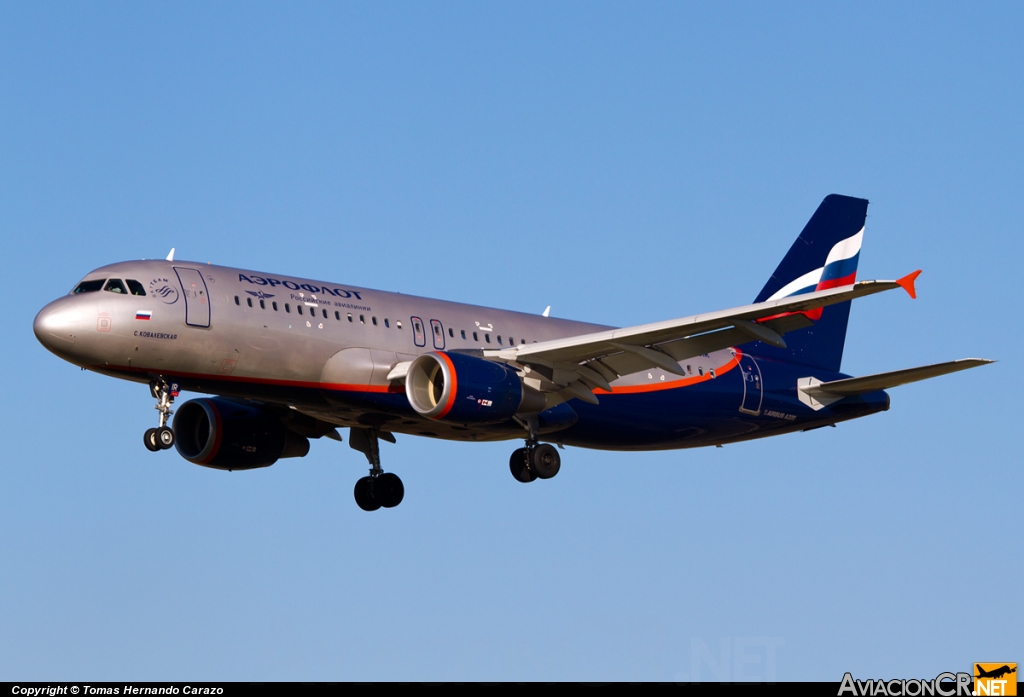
[[841, 266], [143, 314], [840, 269]]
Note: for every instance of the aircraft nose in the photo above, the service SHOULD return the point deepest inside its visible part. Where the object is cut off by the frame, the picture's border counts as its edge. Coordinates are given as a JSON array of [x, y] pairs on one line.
[[57, 325]]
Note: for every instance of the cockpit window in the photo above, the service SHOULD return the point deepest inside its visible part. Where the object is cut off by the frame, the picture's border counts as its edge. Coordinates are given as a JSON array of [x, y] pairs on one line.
[[135, 287], [88, 286], [114, 285]]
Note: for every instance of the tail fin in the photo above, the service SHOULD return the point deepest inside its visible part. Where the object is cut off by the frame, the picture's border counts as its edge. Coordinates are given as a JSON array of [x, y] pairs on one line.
[[824, 256]]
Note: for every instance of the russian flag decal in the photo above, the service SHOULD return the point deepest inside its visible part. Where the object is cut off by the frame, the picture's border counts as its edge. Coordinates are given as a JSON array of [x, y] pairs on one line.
[[143, 314]]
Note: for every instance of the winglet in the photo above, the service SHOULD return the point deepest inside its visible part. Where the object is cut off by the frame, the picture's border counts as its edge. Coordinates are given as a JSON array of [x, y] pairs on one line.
[[547, 311], [907, 283], [170, 256]]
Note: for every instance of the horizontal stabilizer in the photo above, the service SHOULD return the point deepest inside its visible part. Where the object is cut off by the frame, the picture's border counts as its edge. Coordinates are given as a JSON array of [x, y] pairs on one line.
[[850, 387]]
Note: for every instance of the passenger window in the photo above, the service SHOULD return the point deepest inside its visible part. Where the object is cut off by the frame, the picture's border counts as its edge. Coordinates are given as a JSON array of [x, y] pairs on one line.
[[114, 285], [349, 316], [374, 321], [136, 288], [274, 305], [362, 319], [451, 332], [387, 325], [337, 315], [325, 313], [248, 301], [398, 323], [499, 338], [236, 301], [511, 341], [463, 333], [287, 307], [88, 287], [487, 337], [263, 305], [299, 308], [522, 341], [475, 338]]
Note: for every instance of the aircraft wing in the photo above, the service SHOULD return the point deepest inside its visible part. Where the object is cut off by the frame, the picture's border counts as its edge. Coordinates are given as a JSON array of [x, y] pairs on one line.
[[579, 364]]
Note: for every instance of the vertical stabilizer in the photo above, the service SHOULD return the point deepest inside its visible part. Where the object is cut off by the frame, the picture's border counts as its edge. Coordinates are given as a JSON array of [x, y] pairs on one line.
[[825, 255]]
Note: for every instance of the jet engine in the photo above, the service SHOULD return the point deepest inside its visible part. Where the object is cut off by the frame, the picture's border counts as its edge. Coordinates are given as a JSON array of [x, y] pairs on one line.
[[463, 389], [226, 435]]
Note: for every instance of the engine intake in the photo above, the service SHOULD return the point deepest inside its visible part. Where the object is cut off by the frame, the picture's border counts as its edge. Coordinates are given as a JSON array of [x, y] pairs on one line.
[[227, 435], [462, 389]]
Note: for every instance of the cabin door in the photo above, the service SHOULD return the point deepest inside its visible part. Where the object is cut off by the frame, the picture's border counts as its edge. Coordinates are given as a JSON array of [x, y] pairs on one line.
[[753, 389], [197, 297]]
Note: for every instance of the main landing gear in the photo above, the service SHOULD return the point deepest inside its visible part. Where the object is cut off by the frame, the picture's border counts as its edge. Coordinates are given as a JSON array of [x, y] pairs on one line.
[[162, 437], [535, 461], [380, 489]]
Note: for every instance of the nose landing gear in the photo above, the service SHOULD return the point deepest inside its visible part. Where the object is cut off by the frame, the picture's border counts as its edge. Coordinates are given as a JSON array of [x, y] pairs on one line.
[[380, 489], [162, 437]]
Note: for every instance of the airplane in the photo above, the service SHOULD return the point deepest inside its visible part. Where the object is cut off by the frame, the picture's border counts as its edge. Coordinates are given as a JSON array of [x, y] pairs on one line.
[[290, 359], [995, 673]]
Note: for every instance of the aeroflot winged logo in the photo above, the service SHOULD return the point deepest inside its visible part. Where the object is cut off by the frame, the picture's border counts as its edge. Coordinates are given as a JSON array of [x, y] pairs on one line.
[[259, 294], [292, 285]]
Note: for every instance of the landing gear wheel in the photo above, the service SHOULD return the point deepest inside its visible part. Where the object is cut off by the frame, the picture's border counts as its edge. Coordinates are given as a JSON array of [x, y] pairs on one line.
[[545, 461], [164, 438], [161, 438], [149, 438], [380, 489], [389, 490], [364, 495], [517, 464]]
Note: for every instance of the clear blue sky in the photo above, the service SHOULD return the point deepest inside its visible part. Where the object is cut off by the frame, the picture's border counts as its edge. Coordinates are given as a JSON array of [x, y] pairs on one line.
[[623, 164]]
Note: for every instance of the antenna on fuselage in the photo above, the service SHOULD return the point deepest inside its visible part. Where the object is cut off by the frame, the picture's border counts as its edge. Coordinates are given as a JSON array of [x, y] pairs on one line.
[[170, 255], [547, 311]]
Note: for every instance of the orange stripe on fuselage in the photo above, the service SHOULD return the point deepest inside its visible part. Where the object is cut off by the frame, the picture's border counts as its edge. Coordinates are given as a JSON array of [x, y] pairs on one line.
[[337, 386], [399, 389], [378, 389]]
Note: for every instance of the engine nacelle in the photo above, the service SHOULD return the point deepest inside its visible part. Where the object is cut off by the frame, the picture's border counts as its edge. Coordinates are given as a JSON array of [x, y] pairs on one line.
[[230, 436], [462, 389]]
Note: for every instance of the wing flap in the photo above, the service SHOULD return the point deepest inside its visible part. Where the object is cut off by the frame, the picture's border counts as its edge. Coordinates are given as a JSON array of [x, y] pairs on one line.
[[850, 387]]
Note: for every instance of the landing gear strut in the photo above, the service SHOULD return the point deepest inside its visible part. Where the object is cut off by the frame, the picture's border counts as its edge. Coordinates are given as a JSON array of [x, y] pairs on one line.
[[380, 489], [162, 437], [536, 460]]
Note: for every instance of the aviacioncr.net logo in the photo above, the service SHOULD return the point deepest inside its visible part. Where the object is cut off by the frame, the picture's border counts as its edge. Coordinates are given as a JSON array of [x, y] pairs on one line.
[[943, 685]]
